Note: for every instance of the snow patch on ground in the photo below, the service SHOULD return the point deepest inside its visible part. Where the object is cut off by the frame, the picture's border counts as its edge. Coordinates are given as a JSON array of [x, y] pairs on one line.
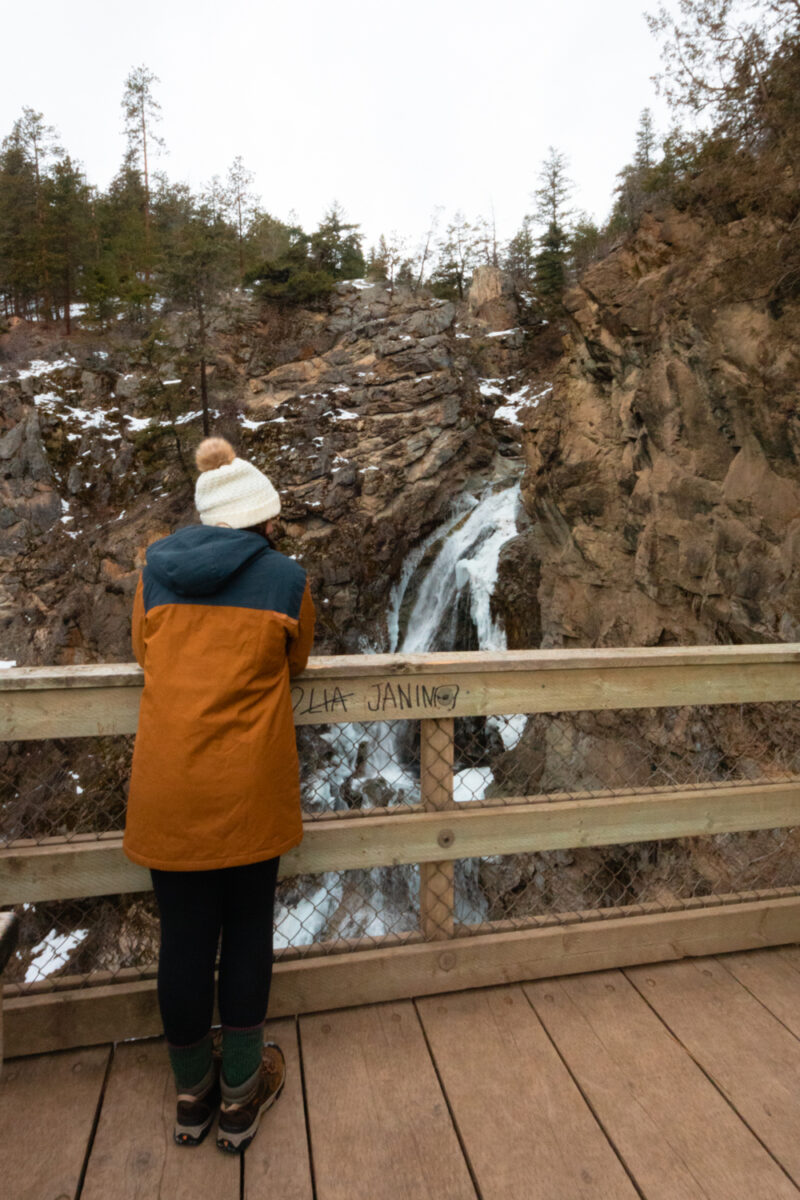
[[87, 418], [40, 366], [53, 952], [471, 783]]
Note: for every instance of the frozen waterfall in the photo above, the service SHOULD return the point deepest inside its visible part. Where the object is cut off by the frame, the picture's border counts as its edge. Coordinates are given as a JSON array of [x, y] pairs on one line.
[[452, 571]]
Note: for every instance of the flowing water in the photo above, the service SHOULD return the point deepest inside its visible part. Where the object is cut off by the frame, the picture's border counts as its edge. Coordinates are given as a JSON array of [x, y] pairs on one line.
[[467, 561], [442, 599]]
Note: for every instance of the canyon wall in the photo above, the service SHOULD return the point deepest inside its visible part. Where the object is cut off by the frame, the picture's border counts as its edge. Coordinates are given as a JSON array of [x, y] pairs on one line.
[[663, 470]]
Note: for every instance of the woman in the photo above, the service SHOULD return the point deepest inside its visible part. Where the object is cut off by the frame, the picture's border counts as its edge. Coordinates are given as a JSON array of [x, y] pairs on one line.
[[221, 620]]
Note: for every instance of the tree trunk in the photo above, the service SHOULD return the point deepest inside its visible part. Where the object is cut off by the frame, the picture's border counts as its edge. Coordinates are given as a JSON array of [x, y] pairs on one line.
[[241, 242], [68, 302], [146, 200], [204, 397], [203, 382]]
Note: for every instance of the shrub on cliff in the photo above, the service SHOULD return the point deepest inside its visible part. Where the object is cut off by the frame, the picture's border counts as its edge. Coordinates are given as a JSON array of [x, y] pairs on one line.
[[304, 268]]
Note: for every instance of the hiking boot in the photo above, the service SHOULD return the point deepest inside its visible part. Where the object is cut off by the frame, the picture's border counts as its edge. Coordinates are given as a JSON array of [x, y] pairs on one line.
[[239, 1117], [196, 1111]]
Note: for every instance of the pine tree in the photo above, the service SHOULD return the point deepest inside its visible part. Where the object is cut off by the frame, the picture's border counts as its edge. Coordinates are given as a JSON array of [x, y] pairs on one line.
[[118, 274], [335, 246], [376, 267], [19, 277], [27, 152], [200, 263], [554, 190], [645, 140], [68, 232], [520, 256], [584, 244], [242, 204], [638, 181], [267, 238], [142, 111], [289, 275], [550, 265]]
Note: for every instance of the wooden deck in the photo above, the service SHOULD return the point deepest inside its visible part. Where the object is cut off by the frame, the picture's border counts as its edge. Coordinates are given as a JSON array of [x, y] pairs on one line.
[[679, 1081]]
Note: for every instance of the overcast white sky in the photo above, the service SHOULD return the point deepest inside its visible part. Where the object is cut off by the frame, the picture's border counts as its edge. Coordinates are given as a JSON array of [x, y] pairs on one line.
[[391, 108]]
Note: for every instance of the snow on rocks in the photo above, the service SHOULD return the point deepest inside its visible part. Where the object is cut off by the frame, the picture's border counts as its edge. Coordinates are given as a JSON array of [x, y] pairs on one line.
[[40, 366], [52, 953], [515, 399]]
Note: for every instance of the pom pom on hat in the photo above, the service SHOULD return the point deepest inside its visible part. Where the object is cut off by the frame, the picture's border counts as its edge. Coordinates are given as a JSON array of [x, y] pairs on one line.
[[230, 491], [213, 452]]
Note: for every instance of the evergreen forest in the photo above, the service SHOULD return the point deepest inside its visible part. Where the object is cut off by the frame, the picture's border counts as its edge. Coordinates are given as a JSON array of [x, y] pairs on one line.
[[68, 248]]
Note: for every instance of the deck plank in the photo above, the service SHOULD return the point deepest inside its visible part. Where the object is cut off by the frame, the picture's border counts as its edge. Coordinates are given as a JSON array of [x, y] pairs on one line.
[[134, 1156], [277, 1162], [678, 1137], [791, 954], [526, 1128], [772, 979], [751, 1057], [378, 1120], [44, 1138]]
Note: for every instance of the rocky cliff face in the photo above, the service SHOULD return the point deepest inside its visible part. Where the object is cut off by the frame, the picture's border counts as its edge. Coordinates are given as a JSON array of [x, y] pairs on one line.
[[370, 418], [663, 471]]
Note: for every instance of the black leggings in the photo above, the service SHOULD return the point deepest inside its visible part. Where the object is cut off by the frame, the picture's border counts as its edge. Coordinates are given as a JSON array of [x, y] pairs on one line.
[[194, 907]]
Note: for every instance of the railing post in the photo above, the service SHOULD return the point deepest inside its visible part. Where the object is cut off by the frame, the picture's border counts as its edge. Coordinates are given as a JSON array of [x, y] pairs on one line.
[[436, 891]]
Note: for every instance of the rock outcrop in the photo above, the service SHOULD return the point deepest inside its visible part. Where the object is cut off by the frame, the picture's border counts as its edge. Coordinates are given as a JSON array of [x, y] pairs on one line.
[[663, 473], [491, 299], [369, 417]]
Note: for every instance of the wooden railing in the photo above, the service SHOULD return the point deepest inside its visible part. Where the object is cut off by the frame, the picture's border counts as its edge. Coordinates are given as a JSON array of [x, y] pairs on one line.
[[37, 703]]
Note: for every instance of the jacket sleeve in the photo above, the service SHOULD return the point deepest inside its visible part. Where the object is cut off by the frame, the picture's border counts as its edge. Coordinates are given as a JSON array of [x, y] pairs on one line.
[[137, 623], [300, 641]]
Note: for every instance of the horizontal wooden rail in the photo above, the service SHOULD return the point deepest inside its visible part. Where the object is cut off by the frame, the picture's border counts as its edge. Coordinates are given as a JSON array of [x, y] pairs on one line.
[[67, 870], [85, 701], [43, 1023]]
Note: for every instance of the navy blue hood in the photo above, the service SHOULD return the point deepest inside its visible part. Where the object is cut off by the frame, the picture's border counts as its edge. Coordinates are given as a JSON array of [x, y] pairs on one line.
[[201, 559]]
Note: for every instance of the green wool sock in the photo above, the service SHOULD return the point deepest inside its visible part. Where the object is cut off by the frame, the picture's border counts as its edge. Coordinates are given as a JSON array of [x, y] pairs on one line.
[[190, 1064], [241, 1054]]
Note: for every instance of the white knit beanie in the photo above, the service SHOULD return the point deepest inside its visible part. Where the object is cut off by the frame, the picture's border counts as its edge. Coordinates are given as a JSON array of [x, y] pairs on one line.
[[230, 491]]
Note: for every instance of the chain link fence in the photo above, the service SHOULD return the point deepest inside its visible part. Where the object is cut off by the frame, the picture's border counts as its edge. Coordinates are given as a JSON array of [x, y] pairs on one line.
[[75, 788]]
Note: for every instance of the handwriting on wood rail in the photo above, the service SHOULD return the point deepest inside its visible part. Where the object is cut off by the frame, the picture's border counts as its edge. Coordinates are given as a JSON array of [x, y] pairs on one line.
[[388, 698]]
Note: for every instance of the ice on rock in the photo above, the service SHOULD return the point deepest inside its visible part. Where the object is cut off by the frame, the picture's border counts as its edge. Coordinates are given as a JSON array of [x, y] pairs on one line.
[[369, 759]]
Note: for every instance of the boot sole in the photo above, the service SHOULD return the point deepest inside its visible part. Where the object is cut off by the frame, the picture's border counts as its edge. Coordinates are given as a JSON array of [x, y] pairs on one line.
[[237, 1143], [192, 1135]]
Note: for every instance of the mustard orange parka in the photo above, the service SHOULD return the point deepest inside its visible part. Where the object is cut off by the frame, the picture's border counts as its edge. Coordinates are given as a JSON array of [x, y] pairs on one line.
[[220, 622]]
